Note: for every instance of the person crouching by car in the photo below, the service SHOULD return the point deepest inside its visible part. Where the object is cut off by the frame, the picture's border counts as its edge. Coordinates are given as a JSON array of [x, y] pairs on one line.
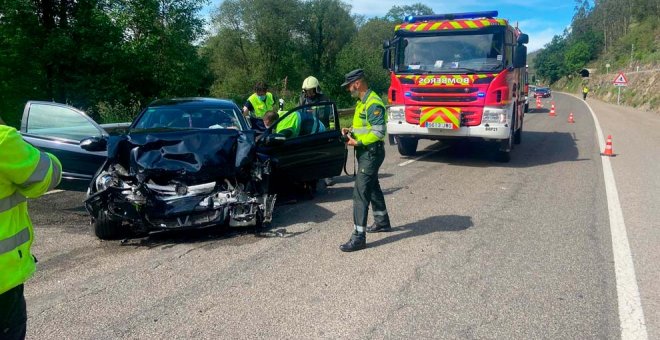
[[25, 172], [258, 104]]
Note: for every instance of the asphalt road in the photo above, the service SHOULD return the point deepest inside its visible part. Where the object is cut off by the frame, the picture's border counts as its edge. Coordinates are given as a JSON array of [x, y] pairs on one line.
[[481, 249]]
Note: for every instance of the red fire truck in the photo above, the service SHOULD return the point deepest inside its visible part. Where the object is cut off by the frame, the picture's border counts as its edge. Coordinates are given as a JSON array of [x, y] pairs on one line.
[[460, 75]]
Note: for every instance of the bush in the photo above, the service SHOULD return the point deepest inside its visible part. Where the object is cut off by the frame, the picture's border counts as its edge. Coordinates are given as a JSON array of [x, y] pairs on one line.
[[116, 112]]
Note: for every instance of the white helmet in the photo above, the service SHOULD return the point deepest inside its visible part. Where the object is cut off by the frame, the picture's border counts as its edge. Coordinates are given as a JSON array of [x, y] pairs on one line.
[[310, 83]]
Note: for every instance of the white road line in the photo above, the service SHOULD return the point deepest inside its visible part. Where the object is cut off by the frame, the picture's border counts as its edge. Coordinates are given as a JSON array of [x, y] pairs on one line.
[[422, 156], [631, 314], [53, 192]]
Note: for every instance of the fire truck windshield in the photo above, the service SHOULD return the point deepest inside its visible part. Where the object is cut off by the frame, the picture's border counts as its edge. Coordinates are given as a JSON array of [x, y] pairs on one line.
[[447, 53]]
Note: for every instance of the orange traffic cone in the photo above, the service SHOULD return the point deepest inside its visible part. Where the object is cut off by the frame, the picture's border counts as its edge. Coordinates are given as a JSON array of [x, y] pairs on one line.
[[552, 109], [608, 147], [538, 103], [570, 118]]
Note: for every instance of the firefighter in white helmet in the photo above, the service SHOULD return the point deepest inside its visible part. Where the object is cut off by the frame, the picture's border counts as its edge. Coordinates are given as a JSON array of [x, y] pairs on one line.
[[311, 94]]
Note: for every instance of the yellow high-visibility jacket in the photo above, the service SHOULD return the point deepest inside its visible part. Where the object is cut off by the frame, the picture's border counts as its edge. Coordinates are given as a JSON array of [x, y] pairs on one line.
[[25, 172], [260, 107], [369, 120]]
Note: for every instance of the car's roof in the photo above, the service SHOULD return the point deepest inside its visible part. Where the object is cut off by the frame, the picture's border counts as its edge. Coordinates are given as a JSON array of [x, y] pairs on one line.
[[193, 101]]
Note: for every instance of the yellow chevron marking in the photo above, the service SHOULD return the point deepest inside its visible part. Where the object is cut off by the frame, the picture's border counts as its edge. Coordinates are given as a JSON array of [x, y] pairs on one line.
[[472, 24], [423, 118], [451, 115]]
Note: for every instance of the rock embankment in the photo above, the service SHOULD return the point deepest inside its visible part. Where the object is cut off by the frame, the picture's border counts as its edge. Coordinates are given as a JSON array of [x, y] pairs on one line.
[[642, 92]]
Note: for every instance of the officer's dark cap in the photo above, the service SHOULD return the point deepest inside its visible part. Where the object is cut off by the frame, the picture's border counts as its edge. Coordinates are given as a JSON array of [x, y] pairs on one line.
[[353, 76]]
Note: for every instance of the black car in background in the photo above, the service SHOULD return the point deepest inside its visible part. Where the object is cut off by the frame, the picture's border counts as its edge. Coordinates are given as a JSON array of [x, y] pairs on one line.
[[542, 92], [194, 162], [58, 129]]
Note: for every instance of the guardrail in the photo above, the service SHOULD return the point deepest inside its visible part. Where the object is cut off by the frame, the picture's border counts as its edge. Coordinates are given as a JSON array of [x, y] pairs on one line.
[[346, 112]]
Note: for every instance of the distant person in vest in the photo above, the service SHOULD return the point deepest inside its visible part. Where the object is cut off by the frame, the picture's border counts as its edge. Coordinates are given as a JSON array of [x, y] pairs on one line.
[[585, 91], [366, 136], [257, 105], [25, 172]]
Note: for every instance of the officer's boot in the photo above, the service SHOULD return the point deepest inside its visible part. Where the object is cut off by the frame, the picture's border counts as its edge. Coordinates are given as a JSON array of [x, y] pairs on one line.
[[358, 241]]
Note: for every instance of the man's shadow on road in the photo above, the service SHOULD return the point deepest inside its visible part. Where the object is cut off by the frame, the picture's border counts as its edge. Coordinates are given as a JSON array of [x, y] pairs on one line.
[[426, 226]]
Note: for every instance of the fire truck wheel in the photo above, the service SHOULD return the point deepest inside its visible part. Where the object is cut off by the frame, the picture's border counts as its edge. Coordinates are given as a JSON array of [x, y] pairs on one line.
[[407, 146], [517, 137], [504, 156], [504, 153]]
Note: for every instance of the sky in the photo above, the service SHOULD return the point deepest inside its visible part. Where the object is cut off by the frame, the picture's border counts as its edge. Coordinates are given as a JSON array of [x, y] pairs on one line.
[[540, 19]]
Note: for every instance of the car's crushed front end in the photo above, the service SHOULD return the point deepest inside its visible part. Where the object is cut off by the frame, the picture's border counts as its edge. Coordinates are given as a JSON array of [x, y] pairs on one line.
[[181, 179]]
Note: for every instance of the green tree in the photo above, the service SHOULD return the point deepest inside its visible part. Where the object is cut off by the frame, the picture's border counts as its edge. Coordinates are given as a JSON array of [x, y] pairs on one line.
[[328, 26], [399, 13], [365, 51], [576, 56]]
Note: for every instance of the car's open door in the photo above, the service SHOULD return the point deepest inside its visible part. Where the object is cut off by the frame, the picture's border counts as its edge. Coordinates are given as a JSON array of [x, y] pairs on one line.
[[316, 151], [58, 129]]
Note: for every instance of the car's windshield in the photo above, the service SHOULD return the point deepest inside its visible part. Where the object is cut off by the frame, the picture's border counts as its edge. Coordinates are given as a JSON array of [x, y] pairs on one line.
[[478, 52], [189, 117]]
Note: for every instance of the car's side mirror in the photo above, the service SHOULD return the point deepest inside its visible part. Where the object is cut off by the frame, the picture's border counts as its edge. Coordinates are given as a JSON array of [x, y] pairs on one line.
[[94, 144], [274, 139]]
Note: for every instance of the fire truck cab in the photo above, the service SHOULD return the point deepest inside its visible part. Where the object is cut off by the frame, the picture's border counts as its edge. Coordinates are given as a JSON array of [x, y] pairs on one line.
[[459, 75]]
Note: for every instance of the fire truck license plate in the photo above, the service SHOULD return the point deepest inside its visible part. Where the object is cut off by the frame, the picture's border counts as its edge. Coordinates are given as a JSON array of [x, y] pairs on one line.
[[439, 125]]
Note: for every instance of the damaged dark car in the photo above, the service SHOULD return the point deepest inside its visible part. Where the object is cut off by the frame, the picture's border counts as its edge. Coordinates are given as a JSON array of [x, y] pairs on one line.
[[194, 162]]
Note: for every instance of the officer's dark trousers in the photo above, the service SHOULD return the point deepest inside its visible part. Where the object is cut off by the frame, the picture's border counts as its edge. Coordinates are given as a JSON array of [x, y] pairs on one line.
[[367, 188], [13, 314]]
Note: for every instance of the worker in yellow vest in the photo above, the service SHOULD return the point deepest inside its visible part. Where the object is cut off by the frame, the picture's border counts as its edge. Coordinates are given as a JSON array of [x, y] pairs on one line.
[[366, 136], [260, 102], [25, 172], [585, 91]]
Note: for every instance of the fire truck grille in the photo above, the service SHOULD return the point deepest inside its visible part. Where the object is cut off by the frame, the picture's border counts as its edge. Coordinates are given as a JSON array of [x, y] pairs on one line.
[[444, 94], [469, 116], [445, 90], [429, 99]]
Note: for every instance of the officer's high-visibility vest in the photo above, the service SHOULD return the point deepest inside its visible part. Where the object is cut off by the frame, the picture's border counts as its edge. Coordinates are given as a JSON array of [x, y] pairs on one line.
[[25, 172], [363, 130], [260, 107]]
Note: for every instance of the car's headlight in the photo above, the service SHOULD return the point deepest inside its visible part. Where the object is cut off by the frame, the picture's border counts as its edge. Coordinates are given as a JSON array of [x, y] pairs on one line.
[[494, 115], [397, 112], [104, 181]]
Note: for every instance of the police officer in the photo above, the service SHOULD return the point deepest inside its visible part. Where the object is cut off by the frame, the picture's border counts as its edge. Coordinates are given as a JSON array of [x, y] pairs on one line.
[[24, 173], [257, 105], [367, 138], [585, 91]]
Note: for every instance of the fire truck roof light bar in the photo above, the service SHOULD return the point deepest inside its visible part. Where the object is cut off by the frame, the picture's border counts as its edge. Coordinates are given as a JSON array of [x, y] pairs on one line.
[[451, 16]]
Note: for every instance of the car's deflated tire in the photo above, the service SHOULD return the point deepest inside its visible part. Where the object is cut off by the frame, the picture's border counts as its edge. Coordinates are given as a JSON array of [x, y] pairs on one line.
[[407, 146], [105, 228]]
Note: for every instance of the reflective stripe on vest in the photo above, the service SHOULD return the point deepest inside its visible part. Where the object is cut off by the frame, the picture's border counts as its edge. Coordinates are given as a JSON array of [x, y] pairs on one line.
[[361, 125], [57, 173], [40, 171], [11, 201], [15, 241]]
